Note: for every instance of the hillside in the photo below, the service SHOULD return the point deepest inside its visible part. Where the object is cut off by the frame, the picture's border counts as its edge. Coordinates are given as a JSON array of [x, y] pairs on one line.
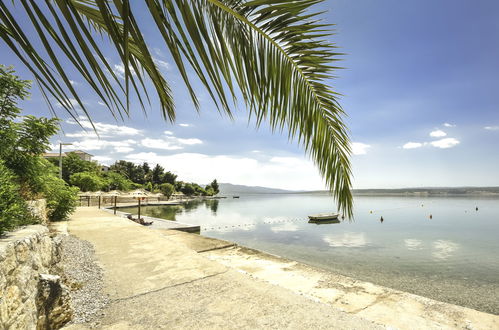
[[237, 189]]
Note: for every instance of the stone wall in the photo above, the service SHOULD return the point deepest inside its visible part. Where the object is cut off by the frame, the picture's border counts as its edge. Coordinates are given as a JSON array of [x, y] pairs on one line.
[[25, 255], [39, 209]]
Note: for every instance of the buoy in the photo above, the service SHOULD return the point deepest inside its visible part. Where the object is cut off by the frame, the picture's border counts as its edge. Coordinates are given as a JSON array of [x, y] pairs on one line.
[[476, 208], [431, 216], [381, 219], [371, 212]]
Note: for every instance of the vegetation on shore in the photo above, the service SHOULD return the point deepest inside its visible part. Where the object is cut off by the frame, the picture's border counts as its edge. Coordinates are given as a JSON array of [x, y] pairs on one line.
[[24, 174], [124, 175]]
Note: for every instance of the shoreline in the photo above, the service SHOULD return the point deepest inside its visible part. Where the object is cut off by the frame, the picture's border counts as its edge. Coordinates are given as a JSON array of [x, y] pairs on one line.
[[379, 304], [453, 291], [190, 258]]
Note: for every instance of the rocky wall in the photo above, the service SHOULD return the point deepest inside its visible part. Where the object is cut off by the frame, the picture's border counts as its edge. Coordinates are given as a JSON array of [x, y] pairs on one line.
[[29, 297]]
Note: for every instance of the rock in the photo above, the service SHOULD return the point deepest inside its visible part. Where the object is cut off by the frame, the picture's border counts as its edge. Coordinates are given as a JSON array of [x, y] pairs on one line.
[[52, 303]]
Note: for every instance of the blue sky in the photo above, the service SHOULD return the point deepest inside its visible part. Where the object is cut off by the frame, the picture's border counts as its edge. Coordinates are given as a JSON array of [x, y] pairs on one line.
[[420, 88]]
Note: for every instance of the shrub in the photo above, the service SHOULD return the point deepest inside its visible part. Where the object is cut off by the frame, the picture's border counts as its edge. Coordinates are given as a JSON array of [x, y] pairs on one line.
[[61, 198], [13, 209], [87, 181], [167, 189]]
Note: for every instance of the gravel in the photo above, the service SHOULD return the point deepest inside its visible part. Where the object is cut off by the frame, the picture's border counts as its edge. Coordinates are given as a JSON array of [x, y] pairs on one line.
[[83, 276]]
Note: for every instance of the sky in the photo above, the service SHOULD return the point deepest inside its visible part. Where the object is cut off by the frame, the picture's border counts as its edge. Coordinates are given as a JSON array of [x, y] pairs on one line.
[[420, 87]]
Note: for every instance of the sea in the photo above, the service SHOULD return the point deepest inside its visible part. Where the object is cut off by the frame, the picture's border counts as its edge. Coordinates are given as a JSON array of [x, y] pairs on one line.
[[444, 248]]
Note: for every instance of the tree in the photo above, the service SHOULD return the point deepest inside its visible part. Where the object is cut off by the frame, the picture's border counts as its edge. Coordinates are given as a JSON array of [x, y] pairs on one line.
[[157, 174], [116, 181], [188, 189], [13, 208], [24, 173], [129, 170], [214, 186], [72, 164], [148, 186], [167, 189], [169, 177], [275, 54], [87, 181]]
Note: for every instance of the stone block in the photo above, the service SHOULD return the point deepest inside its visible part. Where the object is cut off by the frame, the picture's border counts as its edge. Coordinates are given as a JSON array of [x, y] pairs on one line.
[[52, 303]]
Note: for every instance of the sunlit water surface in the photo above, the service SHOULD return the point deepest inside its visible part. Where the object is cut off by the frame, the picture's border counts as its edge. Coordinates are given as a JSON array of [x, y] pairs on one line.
[[452, 257]]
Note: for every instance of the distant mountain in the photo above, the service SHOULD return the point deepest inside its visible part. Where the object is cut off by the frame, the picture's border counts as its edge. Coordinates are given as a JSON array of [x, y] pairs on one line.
[[237, 189], [431, 191]]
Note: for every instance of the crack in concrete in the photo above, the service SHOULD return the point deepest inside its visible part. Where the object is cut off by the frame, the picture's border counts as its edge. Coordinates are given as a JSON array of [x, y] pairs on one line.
[[378, 299], [166, 287]]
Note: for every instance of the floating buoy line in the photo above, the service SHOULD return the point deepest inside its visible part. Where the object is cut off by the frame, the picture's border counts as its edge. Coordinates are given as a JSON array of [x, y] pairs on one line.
[[245, 225]]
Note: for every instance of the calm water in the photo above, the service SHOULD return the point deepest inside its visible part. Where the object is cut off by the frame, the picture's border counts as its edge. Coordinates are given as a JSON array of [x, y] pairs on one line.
[[452, 257]]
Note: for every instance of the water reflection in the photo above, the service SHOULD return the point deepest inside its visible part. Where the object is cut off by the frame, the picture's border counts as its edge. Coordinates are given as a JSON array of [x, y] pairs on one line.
[[346, 240], [413, 244], [444, 249], [213, 205], [170, 212], [284, 227]]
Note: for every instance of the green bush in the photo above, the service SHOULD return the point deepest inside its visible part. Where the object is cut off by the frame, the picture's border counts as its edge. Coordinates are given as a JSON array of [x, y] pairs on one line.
[[13, 209], [167, 189], [87, 181], [61, 198]]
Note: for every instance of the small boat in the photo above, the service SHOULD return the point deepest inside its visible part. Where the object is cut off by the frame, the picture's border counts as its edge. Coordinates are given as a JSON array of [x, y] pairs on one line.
[[324, 216], [235, 196], [324, 222]]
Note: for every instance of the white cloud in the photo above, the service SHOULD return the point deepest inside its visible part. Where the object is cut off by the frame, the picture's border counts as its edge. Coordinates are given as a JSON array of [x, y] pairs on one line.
[[169, 143], [445, 143], [492, 128], [346, 240], [159, 144], [412, 145], [74, 103], [438, 133], [99, 144], [168, 132], [185, 125], [359, 148], [187, 141], [72, 82], [119, 70], [449, 125], [84, 134], [106, 129], [101, 158], [283, 172], [256, 151], [158, 51], [162, 64], [101, 103], [123, 149]]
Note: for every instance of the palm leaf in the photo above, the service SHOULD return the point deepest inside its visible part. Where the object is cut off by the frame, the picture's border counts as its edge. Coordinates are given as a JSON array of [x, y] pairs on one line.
[[275, 51]]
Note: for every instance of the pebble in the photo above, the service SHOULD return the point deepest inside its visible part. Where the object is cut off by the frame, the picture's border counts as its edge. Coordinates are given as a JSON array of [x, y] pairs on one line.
[[84, 277]]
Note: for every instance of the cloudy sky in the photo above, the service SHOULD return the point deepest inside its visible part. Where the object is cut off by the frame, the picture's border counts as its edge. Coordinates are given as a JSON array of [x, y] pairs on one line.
[[420, 87]]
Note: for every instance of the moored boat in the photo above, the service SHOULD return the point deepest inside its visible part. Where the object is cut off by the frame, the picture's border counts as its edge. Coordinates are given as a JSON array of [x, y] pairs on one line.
[[324, 216]]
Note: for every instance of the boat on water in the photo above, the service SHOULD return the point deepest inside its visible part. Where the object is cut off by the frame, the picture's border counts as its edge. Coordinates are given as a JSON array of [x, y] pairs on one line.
[[235, 196], [324, 217], [324, 222]]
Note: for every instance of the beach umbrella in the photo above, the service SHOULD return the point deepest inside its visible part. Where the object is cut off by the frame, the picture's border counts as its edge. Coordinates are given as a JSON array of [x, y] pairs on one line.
[[139, 194], [156, 195], [115, 194]]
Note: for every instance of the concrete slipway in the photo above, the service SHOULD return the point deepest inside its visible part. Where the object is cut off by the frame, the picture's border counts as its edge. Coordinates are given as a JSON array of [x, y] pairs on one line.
[[174, 280]]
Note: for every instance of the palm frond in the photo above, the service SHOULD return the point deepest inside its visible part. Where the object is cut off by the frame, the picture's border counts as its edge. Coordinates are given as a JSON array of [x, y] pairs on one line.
[[275, 51]]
